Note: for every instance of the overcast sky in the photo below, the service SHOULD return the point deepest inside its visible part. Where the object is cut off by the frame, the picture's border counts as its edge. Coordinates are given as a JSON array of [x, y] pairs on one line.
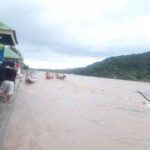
[[76, 33]]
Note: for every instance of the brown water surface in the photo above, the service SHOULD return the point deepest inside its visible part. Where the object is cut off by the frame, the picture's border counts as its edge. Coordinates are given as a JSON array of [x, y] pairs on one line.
[[80, 113]]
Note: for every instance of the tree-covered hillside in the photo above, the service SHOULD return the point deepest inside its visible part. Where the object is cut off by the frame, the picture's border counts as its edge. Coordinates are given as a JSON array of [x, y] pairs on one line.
[[129, 67]]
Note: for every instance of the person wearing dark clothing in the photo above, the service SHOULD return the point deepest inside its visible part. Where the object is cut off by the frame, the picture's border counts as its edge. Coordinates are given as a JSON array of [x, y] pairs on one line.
[[7, 87], [10, 74]]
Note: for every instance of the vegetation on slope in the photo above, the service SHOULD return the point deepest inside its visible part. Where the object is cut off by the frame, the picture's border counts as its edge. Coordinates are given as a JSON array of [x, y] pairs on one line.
[[129, 67]]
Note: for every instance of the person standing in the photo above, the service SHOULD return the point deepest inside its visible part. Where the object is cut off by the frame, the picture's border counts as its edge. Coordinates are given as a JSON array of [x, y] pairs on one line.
[[7, 87]]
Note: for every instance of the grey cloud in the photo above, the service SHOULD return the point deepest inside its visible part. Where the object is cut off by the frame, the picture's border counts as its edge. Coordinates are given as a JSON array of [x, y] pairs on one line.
[[23, 16], [30, 31]]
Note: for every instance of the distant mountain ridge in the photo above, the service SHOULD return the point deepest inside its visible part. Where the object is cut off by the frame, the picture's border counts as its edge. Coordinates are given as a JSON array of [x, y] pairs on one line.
[[128, 67]]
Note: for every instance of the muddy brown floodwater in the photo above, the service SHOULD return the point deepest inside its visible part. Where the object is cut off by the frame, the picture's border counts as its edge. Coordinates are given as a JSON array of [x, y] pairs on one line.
[[80, 113]]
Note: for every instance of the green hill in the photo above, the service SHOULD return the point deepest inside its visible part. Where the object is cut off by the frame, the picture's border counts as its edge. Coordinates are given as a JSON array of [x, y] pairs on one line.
[[128, 67]]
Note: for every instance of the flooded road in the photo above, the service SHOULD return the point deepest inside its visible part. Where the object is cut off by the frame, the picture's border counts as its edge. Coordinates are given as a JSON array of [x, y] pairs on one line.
[[80, 113]]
